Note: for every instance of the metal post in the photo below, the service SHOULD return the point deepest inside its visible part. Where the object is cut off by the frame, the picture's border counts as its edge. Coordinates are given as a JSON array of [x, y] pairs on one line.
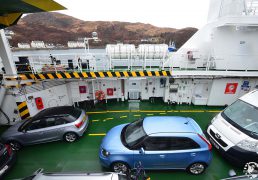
[[144, 67], [6, 55]]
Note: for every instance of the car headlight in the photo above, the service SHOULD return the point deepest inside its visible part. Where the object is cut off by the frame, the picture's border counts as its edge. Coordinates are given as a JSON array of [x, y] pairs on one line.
[[212, 121], [248, 145], [105, 153]]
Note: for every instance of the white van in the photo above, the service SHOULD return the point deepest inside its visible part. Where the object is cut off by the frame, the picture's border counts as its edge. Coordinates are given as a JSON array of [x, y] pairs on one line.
[[234, 131]]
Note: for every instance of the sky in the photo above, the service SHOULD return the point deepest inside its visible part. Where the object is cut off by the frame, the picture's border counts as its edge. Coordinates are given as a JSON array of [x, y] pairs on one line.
[[161, 13]]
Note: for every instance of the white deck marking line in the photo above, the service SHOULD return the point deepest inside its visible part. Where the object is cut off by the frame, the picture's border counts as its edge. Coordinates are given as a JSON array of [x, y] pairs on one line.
[[123, 117]]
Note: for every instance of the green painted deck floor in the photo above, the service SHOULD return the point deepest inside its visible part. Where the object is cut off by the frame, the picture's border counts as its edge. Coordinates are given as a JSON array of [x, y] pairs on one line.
[[83, 154]]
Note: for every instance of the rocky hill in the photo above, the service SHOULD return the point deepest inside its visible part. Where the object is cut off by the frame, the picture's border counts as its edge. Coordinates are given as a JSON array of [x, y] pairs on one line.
[[59, 28]]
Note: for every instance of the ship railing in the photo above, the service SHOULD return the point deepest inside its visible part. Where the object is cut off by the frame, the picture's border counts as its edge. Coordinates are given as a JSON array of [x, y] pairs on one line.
[[251, 7], [100, 62], [239, 8], [46, 63], [220, 62]]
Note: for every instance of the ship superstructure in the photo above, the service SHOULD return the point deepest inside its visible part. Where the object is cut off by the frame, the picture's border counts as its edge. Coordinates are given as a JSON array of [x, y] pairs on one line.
[[215, 67]]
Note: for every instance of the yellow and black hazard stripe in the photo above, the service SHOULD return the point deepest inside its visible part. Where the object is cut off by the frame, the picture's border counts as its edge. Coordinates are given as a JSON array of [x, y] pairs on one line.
[[23, 110], [83, 75]]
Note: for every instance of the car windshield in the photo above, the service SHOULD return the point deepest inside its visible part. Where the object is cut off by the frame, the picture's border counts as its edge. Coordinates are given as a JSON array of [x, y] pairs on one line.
[[134, 133], [244, 116]]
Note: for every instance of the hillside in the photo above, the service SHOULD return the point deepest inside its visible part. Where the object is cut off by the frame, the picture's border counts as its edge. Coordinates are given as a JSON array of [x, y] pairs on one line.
[[59, 28]]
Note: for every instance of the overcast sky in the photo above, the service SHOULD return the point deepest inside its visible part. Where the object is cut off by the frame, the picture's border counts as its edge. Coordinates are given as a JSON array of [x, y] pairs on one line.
[[162, 13]]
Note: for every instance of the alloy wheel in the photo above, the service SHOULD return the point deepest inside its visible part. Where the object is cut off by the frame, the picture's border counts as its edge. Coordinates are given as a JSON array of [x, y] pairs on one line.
[[197, 168], [70, 137], [120, 167]]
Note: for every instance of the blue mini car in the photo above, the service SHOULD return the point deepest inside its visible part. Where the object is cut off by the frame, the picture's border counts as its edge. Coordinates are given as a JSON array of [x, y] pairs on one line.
[[164, 142]]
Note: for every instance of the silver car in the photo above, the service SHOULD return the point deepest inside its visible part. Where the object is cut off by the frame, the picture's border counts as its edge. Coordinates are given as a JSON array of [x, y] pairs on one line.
[[39, 175], [52, 124]]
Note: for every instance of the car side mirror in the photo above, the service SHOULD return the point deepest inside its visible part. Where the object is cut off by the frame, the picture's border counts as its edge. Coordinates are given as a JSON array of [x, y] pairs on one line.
[[142, 151]]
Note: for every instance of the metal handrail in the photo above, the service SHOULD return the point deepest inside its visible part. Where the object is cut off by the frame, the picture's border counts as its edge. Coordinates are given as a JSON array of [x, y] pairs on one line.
[[100, 62]]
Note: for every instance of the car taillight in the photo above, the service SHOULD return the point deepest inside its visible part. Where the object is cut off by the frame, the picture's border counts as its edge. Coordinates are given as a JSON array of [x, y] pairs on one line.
[[206, 141], [9, 149], [79, 124]]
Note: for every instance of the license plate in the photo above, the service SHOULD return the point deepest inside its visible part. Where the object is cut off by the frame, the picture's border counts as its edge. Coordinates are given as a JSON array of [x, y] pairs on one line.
[[214, 143]]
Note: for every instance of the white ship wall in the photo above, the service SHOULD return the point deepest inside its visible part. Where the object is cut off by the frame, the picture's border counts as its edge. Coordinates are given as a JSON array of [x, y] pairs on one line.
[[211, 92], [179, 91], [235, 48], [152, 87], [227, 42], [75, 95], [54, 96], [218, 97], [199, 44], [198, 91], [226, 48], [91, 87]]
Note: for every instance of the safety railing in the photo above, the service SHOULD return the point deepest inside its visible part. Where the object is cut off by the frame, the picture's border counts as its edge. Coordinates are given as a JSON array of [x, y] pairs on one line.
[[46, 63], [252, 7], [220, 62], [239, 8], [100, 62]]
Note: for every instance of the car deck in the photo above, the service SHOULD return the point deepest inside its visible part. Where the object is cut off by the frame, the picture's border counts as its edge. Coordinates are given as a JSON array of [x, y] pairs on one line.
[[82, 156]]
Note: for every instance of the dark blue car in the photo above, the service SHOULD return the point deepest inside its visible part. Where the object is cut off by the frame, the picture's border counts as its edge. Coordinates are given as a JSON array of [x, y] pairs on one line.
[[167, 142]]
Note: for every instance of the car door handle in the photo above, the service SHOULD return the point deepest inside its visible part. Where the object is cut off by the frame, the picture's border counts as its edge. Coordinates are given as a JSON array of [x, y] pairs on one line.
[[162, 156], [193, 154]]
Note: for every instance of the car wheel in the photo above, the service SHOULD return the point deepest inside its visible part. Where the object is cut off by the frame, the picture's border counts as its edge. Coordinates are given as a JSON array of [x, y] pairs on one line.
[[70, 137], [120, 167], [196, 168], [16, 146]]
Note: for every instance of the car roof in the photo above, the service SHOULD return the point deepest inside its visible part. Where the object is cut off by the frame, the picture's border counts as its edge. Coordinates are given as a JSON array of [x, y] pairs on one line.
[[170, 124], [54, 111], [75, 176], [251, 98]]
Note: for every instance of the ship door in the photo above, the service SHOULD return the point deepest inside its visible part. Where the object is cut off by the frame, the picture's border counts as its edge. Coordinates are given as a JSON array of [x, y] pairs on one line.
[[134, 90]]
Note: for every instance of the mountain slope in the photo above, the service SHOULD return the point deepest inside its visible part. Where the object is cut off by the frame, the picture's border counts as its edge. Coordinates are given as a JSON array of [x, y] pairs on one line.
[[59, 28]]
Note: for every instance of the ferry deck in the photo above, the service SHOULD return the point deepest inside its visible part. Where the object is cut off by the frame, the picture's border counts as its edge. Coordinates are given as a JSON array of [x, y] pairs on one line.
[[82, 155]]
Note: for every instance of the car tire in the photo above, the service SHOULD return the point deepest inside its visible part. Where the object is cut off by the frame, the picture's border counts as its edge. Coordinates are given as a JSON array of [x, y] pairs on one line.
[[196, 168], [70, 137], [120, 167], [15, 145]]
